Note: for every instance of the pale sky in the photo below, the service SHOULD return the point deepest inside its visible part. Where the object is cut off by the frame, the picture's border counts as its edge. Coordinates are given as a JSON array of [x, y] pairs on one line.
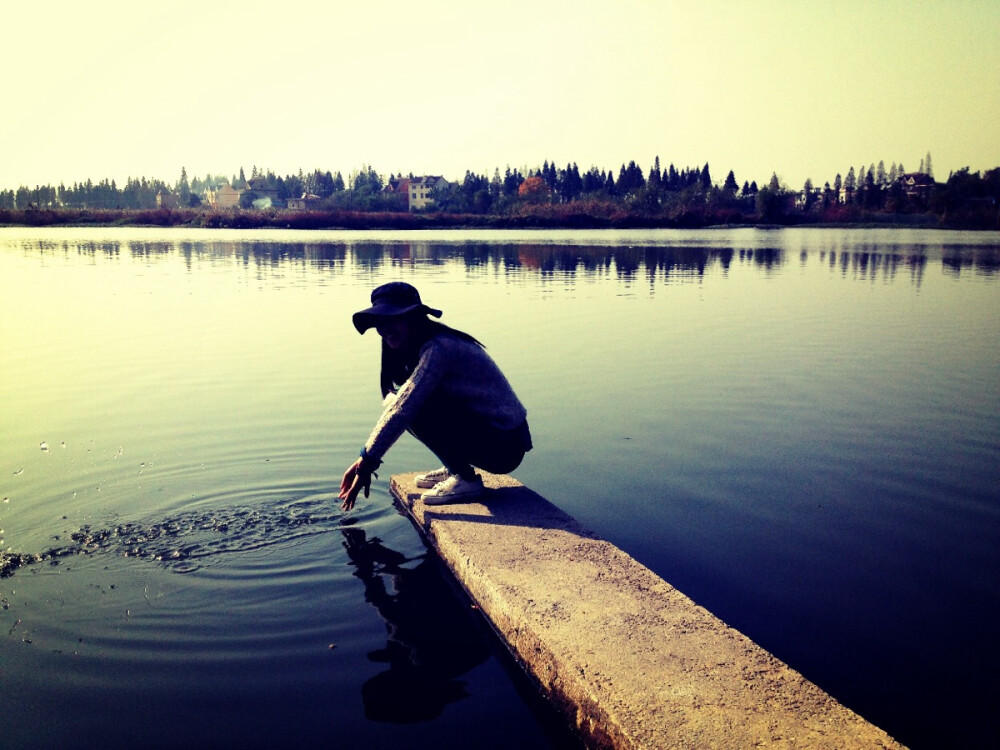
[[117, 88]]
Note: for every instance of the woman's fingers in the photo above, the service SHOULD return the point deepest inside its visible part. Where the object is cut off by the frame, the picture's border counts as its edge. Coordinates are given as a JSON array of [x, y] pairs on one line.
[[352, 483]]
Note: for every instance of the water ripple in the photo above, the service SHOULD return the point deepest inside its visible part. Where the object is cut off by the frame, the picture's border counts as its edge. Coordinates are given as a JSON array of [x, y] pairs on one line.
[[184, 541]]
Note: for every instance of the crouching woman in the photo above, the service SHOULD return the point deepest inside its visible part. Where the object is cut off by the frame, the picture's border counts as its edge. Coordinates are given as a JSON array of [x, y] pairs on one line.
[[441, 386]]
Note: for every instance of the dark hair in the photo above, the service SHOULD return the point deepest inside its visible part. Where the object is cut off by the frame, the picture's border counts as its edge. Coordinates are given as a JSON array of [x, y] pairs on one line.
[[398, 364]]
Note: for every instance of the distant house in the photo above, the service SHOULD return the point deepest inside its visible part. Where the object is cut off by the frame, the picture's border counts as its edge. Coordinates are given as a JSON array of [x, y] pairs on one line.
[[399, 186], [307, 202], [166, 200], [917, 184], [416, 190], [419, 190], [814, 199], [225, 197]]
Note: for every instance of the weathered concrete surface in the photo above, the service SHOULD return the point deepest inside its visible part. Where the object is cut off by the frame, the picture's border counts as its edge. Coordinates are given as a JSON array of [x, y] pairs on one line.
[[630, 661]]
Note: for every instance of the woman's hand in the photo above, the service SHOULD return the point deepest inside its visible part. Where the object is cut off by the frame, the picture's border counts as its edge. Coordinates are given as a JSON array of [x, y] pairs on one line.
[[355, 479]]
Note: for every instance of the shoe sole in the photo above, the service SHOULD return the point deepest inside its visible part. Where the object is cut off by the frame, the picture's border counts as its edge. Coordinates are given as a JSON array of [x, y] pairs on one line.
[[467, 497], [428, 484]]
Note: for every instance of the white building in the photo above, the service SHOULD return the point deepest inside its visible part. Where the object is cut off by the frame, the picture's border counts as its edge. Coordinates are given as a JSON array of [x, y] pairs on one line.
[[420, 188]]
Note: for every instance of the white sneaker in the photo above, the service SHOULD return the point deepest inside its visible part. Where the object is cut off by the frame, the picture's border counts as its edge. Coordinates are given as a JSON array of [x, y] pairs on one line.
[[454, 489], [431, 478]]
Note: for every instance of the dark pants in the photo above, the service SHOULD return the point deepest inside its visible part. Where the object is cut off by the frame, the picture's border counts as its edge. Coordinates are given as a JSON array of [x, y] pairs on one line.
[[462, 440]]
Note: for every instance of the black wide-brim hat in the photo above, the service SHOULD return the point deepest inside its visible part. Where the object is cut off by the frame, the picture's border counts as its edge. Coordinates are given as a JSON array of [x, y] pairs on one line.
[[390, 301]]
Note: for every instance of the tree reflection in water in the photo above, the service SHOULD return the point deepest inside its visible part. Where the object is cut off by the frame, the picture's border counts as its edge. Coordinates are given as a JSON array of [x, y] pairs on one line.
[[433, 637]]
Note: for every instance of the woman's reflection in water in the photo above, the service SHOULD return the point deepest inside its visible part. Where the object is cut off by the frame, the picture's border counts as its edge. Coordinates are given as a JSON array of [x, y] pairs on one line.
[[433, 636]]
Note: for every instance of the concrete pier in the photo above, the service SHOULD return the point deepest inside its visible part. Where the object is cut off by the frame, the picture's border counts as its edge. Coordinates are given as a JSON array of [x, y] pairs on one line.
[[629, 660]]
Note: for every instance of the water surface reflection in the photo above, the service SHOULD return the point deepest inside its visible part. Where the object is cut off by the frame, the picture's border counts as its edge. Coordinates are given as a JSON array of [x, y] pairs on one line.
[[432, 639], [546, 259]]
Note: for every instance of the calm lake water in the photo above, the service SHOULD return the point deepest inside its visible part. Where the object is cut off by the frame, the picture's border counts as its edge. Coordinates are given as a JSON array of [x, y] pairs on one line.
[[799, 429]]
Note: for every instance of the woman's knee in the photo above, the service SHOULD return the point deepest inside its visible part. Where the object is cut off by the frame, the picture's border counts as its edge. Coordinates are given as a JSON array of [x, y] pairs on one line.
[[500, 463], [505, 451]]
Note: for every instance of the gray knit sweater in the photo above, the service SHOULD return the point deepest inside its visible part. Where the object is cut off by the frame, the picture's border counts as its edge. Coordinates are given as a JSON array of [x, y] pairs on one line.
[[460, 372]]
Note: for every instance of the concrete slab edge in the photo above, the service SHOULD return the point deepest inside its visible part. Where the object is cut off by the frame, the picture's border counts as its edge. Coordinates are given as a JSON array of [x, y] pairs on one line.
[[628, 660]]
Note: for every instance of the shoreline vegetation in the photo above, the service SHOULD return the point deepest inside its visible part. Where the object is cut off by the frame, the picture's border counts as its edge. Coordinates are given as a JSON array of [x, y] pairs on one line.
[[541, 217], [546, 198]]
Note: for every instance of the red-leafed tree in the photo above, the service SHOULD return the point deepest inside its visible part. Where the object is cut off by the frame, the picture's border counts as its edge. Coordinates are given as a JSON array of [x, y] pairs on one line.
[[534, 190]]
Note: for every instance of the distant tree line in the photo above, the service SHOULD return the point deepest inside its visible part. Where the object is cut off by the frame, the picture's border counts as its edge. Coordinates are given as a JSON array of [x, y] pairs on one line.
[[665, 196]]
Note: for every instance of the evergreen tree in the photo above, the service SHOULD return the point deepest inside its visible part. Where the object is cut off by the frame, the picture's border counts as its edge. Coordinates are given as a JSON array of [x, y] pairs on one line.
[[295, 185], [593, 180], [673, 179], [570, 183], [871, 192], [850, 182], [183, 188], [771, 202], [730, 185], [655, 181], [630, 179], [549, 174], [496, 185], [512, 182], [283, 189]]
